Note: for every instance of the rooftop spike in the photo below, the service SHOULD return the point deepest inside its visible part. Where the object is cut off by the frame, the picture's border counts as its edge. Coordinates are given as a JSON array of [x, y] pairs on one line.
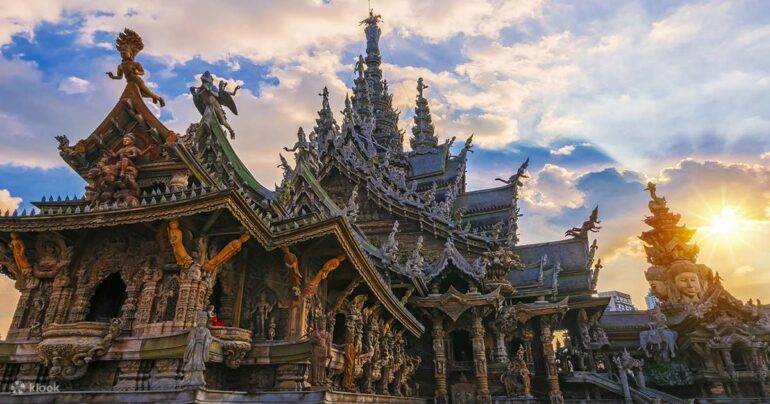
[[423, 130]]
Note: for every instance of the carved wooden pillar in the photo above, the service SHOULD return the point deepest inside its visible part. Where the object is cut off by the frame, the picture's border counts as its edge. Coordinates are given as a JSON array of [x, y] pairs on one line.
[[166, 374], [181, 304], [144, 306], [191, 300], [552, 372], [480, 361], [240, 287], [62, 306], [128, 376], [439, 350], [28, 373], [527, 336], [350, 353], [501, 354], [128, 310], [291, 376], [25, 302], [57, 305], [79, 307]]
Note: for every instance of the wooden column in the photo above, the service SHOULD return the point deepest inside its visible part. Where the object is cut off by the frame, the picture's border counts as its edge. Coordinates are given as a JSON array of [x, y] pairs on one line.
[[552, 372], [238, 306], [144, 307], [439, 350], [480, 361]]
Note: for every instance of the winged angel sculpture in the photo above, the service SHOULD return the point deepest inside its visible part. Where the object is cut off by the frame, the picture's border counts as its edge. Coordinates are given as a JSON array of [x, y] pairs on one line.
[[207, 95]]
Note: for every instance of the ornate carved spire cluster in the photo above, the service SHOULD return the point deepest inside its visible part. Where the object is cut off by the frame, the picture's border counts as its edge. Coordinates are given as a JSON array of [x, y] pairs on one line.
[[674, 276], [326, 127], [386, 131], [424, 138], [666, 242]]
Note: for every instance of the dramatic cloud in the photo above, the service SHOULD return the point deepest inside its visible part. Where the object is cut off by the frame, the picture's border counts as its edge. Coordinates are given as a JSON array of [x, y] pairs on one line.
[[8, 202], [556, 199]]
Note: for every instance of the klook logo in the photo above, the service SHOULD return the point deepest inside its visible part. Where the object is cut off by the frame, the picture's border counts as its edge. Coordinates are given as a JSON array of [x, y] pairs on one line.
[[19, 387]]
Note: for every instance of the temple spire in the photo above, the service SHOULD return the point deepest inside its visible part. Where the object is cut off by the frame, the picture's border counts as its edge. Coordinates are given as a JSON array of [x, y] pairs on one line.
[[384, 117], [362, 102], [667, 241], [373, 72], [326, 126], [424, 138]]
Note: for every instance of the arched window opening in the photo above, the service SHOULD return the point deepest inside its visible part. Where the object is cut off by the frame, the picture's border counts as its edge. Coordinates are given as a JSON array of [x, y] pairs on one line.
[[462, 349], [338, 337], [738, 357], [107, 299]]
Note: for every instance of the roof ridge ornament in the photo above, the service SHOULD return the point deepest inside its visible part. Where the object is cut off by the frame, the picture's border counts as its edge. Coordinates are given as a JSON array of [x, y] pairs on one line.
[[129, 44], [207, 96], [589, 225]]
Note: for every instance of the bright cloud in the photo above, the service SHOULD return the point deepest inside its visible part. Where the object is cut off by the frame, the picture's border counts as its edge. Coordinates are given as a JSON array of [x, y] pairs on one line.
[[74, 85], [564, 150], [8, 202]]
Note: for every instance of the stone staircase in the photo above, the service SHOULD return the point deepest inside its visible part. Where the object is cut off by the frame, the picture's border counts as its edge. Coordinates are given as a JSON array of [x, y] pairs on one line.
[[644, 396]]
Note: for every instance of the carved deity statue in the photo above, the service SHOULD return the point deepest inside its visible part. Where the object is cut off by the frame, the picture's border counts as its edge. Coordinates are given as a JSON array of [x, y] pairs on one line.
[[226, 253], [176, 239], [53, 256], [197, 352], [129, 44], [320, 352], [207, 95], [260, 312], [687, 280], [327, 268], [271, 329], [291, 263], [19, 254], [524, 372], [656, 277]]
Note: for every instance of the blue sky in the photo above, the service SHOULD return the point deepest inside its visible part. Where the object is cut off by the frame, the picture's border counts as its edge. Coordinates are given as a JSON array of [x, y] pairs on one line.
[[601, 96]]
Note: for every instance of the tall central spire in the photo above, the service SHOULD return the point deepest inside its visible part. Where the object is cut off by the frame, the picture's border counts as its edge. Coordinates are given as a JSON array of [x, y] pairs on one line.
[[386, 130], [373, 72]]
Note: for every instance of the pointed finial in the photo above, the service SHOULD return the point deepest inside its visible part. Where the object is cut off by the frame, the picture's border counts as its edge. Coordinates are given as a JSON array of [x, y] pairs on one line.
[[420, 87]]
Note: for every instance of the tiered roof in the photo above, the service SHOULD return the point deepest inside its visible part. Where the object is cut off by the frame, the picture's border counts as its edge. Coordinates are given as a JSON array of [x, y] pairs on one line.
[[425, 186]]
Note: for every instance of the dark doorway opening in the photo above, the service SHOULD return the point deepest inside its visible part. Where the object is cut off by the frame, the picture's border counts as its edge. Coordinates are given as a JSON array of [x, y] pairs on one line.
[[216, 298], [338, 337], [462, 348], [107, 299]]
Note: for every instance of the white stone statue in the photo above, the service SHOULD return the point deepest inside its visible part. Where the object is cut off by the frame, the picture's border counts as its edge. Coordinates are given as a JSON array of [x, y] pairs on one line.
[[197, 352]]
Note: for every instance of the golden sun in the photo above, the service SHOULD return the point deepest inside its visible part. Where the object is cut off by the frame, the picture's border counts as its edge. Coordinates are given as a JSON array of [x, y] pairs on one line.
[[726, 223]]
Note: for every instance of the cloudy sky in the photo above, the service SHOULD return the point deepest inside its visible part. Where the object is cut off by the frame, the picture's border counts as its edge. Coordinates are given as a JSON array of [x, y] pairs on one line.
[[602, 96]]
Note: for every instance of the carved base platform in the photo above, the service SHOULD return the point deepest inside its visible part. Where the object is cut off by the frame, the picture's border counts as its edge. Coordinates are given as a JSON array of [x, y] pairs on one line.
[[207, 396]]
